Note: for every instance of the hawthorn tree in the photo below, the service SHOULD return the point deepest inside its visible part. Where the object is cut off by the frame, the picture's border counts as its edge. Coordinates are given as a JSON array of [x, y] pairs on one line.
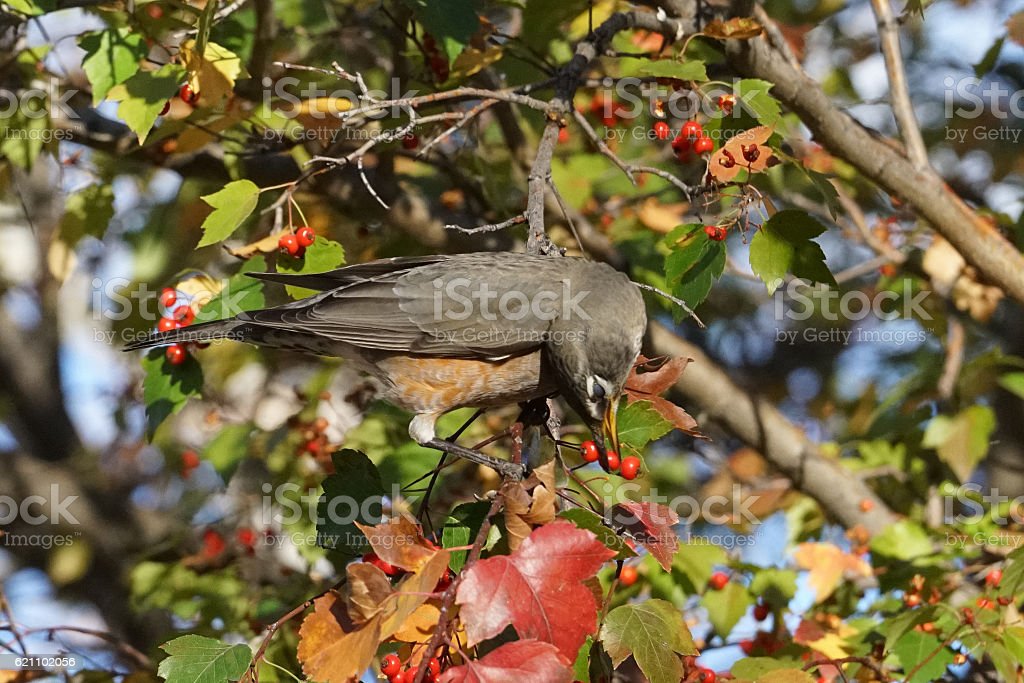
[[833, 277]]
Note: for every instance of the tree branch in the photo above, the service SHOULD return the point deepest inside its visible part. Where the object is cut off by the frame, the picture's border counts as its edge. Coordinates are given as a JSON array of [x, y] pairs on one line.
[[760, 424], [980, 244]]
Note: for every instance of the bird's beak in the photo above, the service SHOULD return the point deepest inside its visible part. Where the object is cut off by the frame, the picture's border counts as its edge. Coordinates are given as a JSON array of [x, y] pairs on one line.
[[608, 426]]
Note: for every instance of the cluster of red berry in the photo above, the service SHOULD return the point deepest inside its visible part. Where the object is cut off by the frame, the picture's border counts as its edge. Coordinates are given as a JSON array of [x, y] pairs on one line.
[[437, 62], [294, 243], [716, 232], [214, 542], [691, 140], [607, 111], [186, 94], [314, 437], [628, 468], [176, 315], [391, 666]]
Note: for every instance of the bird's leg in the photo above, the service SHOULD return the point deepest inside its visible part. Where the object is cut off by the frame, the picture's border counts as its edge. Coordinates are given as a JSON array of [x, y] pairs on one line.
[[532, 415], [506, 468], [425, 504]]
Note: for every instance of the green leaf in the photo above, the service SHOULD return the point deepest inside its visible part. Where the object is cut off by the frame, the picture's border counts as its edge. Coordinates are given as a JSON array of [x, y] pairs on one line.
[[905, 540], [775, 586], [1013, 640], [451, 22], [895, 627], [1013, 382], [195, 659], [694, 263], [961, 441], [639, 424], [354, 493], [111, 57], [240, 293], [756, 667], [461, 530], [725, 607], [654, 633], [753, 94], [784, 245], [914, 647], [166, 387], [30, 8], [143, 96], [988, 61], [592, 522], [231, 205], [696, 561], [23, 132], [690, 70], [791, 675], [228, 448], [322, 255], [87, 212]]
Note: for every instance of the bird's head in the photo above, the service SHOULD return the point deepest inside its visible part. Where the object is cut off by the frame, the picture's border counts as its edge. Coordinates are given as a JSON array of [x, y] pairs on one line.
[[593, 358]]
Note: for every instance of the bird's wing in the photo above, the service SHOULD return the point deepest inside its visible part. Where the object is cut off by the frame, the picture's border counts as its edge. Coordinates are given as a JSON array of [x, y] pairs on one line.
[[434, 308], [350, 274]]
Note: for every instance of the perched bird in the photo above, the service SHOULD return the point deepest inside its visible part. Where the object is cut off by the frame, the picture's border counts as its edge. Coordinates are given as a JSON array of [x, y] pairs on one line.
[[470, 330]]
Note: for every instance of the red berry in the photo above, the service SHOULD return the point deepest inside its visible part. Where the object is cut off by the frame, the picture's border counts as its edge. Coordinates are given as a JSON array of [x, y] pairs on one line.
[[911, 599], [166, 108], [761, 611], [188, 95], [246, 537], [1003, 600], [630, 467], [434, 666], [968, 615], [390, 665], [444, 582], [747, 646], [994, 577], [662, 130], [589, 451], [726, 103], [613, 461], [721, 233], [703, 145], [410, 141], [681, 144], [184, 315], [168, 296], [710, 231], [167, 324], [563, 136], [718, 580], [692, 130], [289, 244], [707, 676], [305, 236], [154, 10], [380, 564], [176, 354], [213, 543], [189, 460], [628, 575], [400, 677]]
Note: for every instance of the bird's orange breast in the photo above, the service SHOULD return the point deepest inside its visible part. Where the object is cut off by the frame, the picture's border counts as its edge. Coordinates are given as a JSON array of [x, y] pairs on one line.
[[435, 385]]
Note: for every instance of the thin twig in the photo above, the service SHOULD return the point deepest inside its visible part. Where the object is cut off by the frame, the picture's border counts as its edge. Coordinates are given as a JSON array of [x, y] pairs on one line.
[[677, 301]]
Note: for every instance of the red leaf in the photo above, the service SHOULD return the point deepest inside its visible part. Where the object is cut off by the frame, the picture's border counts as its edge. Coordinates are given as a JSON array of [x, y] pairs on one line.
[[659, 374], [679, 418], [651, 525], [522, 660], [538, 589]]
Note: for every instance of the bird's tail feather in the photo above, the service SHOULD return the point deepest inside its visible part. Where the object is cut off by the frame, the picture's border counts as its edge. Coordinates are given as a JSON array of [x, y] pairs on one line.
[[198, 333]]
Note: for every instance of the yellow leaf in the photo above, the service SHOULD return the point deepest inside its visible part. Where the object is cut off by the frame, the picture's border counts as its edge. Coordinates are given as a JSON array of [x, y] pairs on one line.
[[213, 73], [420, 625], [660, 217], [471, 60], [827, 564]]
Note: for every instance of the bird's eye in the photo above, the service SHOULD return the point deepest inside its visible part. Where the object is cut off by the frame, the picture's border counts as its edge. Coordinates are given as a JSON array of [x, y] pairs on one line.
[[597, 391]]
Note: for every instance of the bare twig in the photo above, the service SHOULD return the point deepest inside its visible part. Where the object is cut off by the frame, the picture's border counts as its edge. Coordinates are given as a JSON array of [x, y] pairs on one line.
[[955, 339], [676, 300], [490, 227], [902, 107]]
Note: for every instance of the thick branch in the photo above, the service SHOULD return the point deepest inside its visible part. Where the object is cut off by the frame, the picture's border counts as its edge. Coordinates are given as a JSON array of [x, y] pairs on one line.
[[760, 424], [983, 247]]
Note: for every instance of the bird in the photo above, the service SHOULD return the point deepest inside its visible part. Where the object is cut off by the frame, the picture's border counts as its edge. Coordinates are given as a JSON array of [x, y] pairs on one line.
[[482, 330]]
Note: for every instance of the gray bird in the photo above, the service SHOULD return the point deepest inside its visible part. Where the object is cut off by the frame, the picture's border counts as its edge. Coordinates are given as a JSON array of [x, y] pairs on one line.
[[470, 330]]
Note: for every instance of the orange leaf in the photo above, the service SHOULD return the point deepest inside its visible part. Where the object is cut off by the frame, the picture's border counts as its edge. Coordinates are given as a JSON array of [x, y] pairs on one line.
[[737, 28], [827, 564], [400, 542], [746, 151]]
